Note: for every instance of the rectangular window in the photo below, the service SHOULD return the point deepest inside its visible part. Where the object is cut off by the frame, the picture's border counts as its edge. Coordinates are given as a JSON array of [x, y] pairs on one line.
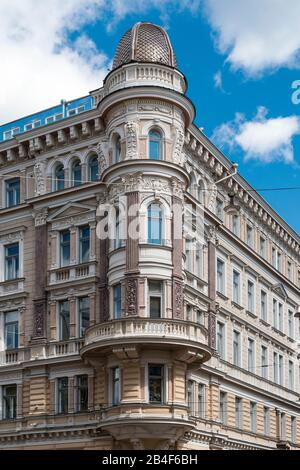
[[188, 254], [274, 257], [219, 209], [249, 235], [251, 355], [280, 316], [221, 339], [81, 393], [155, 298], [275, 367], [62, 392], [282, 426], [49, 119], [83, 314], [252, 416], [238, 413], [84, 244], [9, 402], [266, 421], [291, 324], [291, 375], [263, 305], [64, 320], [236, 286], [289, 270], [250, 296], [278, 265], [12, 188], [11, 330], [280, 371], [198, 261], [200, 317], [65, 247], [201, 400], [117, 291], [264, 362], [156, 383], [223, 407], [115, 377], [236, 348], [12, 261], [29, 126], [262, 247], [189, 313], [190, 397], [293, 429], [11, 133], [275, 314], [235, 224], [220, 276]]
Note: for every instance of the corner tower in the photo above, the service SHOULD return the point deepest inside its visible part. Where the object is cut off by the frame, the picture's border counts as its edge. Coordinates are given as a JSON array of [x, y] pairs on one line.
[[144, 345]]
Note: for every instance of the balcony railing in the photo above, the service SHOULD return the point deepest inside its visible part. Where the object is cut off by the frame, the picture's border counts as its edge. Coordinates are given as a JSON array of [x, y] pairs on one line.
[[13, 356], [143, 329], [65, 348], [71, 273]]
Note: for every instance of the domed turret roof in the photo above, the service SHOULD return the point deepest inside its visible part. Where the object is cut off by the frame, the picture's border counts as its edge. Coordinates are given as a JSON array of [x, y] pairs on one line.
[[145, 42]]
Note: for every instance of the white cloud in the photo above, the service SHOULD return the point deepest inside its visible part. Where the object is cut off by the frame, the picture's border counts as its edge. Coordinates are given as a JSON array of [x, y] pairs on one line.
[[256, 35], [40, 64], [262, 139]]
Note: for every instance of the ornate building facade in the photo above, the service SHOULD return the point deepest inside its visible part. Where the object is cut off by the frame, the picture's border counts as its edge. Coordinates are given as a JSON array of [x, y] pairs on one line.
[[149, 297]]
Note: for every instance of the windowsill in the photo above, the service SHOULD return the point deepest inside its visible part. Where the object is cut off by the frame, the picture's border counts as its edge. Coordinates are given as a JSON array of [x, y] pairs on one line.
[[164, 245], [281, 333], [9, 281], [251, 314], [235, 304], [264, 322], [223, 296], [12, 208]]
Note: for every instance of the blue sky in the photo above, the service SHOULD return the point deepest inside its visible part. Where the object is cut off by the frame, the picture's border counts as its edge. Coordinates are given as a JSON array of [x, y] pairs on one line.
[[240, 61]]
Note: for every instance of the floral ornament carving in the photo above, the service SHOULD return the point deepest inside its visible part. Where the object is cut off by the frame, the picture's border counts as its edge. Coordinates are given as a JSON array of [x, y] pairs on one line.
[[212, 330], [178, 155], [212, 198], [102, 161], [178, 300], [39, 179], [40, 217], [131, 140], [131, 297]]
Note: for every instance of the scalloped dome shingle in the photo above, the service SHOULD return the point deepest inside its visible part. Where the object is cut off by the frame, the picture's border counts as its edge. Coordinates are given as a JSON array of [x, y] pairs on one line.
[[145, 42]]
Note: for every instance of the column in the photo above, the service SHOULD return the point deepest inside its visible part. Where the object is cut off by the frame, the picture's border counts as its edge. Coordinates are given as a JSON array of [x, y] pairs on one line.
[[92, 241], [177, 279], [53, 336], [73, 242], [71, 404], [41, 266], [132, 258], [91, 392], [212, 286], [73, 304]]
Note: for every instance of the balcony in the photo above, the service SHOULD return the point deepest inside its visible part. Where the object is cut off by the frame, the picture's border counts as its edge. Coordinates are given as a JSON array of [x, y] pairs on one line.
[[190, 339], [11, 357], [72, 273], [129, 422]]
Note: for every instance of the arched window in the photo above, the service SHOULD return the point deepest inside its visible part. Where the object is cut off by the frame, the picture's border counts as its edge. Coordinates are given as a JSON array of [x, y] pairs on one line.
[[155, 145], [154, 224], [117, 149], [93, 168], [76, 173], [59, 177]]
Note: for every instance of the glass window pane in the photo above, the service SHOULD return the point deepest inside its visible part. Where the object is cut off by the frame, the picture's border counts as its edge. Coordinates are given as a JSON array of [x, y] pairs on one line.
[[93, 167], [155, 145], [76, 173], [64, 320], [154, 224], [156, 377]]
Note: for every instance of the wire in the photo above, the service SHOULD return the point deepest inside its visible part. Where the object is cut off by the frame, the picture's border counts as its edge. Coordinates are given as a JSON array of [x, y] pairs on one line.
[[212, 188]]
